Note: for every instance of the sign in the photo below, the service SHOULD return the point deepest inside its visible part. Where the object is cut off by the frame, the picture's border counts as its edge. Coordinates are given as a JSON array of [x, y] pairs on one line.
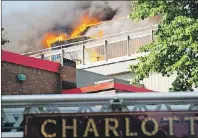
[[112, 125]]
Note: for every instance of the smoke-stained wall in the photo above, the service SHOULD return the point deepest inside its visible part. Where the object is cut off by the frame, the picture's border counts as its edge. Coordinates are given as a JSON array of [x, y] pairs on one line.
[[27, 21]]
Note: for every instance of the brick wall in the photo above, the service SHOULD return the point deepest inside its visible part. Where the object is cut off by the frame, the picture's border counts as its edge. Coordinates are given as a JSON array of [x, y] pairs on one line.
[[42, 76], [68, 77], [68, 74], [37, 81]]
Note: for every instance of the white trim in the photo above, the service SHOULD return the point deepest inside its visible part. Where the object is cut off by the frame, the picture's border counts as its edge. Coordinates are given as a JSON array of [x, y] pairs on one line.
[[111, 61], [101, 38]]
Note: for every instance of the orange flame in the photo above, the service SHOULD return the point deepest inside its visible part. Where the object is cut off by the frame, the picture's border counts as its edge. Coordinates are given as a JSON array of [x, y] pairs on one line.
[[94, 56], [50, 38], [84, 23], [98, 35]]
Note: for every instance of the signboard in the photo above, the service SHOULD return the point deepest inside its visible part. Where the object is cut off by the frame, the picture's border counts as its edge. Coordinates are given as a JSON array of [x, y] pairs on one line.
[[112, 125]]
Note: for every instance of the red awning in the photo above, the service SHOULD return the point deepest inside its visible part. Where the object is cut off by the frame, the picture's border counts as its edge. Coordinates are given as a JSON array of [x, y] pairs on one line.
[[106, 86]]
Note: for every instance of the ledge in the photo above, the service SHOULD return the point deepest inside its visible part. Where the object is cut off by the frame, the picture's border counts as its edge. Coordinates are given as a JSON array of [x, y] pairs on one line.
[[112, 61], [30, 61], [106, 86]]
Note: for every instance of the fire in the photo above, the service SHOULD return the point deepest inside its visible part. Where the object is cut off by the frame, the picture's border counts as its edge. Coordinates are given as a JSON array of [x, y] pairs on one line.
[[50, 38], [94, 56], [84, 23], [98, 35]]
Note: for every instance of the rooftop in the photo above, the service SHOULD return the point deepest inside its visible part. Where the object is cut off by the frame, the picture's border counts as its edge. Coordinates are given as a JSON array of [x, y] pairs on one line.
[[106, 87]]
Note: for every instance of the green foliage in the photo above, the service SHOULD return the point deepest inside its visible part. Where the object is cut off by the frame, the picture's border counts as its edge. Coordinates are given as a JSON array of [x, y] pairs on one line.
[[3, 41], [175, 49]]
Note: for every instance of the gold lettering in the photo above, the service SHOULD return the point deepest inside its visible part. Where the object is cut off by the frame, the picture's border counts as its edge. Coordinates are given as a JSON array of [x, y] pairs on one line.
[[64, 127], [170, 122], [43, 132], [143, 126], [112, 128], [191, 121], [91, 127], [128, 133]]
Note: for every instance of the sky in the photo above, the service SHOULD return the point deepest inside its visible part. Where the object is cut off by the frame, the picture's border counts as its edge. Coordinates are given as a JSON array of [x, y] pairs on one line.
[[12, 6], [9, 7], [17, 16]]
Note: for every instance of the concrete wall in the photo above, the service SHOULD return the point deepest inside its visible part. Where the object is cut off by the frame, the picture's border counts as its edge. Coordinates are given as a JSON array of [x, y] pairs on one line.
[[158, 83], [84, 78], [154, 82], [110, 67], [38, 81], [119, 68]]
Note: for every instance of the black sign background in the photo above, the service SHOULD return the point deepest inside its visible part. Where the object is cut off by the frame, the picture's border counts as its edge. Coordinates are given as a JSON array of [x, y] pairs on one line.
[[33, 123]]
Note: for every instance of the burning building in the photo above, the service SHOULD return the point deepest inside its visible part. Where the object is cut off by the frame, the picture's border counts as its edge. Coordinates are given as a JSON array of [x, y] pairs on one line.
[[69, 41], [92, 24], [116, 48], [64, 35], [88, 19], [70, 20]]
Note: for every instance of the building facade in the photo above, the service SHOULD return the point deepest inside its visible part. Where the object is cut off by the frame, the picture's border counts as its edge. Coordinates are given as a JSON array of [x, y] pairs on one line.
[[28, 75], [111, 56]]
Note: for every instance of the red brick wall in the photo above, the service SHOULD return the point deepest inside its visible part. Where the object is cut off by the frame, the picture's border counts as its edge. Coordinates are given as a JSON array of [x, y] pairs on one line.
[[68, 77], [68, 74], [37, 81], [43, 77]]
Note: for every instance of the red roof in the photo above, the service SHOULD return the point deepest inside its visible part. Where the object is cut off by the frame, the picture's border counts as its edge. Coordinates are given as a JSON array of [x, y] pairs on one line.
[[30, 61], [106, 86]]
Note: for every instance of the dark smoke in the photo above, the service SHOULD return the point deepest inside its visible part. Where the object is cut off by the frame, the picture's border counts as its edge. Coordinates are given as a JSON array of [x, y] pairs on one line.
[[27, 27], [61, 28], [101, 12]]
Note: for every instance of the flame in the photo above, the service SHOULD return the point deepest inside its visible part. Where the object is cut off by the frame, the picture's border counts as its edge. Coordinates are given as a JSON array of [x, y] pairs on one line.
[[50, 38], [98, 35], [94, 56], [84, 23]]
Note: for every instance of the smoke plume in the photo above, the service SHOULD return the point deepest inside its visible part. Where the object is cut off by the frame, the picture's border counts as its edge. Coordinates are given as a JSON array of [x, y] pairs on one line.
[[25, 28]]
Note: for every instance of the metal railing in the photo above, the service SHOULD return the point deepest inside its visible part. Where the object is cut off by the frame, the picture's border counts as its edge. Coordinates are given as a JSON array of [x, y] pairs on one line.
[[99, 49], [14, 107], [152, 97]]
